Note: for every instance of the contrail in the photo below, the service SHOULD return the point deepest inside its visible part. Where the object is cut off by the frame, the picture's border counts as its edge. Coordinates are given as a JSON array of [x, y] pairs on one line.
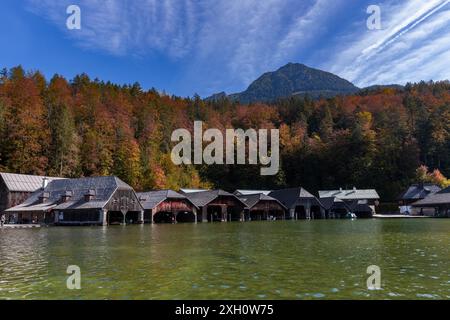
[[379, 47]]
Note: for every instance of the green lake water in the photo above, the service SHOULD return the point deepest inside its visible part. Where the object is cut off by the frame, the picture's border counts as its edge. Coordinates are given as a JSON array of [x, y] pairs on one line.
[[257, 260]]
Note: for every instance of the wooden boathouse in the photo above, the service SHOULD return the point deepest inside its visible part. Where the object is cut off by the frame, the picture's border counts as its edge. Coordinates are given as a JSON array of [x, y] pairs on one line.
[[85, 201], [167, 206], [263, 207], [363, 203], [217, 206], [300, 203], [334, 208], [415, 193], [439, 201], [16, 188]]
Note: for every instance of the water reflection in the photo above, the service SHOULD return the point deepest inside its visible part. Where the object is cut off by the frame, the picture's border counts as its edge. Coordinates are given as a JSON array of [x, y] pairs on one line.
[[259, 260]]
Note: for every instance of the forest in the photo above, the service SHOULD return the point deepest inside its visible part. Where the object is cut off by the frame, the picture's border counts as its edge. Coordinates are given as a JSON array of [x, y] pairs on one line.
[[386, 138]]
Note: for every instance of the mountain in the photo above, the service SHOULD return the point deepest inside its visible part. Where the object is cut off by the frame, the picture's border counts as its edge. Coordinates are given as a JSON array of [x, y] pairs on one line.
[[291, 80]]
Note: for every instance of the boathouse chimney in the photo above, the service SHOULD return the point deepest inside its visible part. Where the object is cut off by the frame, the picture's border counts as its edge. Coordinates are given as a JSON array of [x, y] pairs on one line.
[[89, 196], [67, 195]]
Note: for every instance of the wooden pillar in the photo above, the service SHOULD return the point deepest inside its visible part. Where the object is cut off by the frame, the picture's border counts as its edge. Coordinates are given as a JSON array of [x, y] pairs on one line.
[[104, 217], [322, 212], [224, 210], [205, 214], [194, 211], [308, 211], [124, 221], [141, 217], [292, 213]]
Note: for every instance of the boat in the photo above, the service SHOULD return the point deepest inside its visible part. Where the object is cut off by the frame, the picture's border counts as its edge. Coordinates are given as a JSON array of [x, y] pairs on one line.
[[351, 216]]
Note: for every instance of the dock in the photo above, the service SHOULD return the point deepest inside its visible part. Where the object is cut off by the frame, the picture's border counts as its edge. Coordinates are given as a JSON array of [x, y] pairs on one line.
[[398, 216], [20, 226]]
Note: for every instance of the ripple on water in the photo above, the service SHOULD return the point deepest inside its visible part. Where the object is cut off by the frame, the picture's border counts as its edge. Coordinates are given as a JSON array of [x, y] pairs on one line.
[[122, 266], [427, 296]]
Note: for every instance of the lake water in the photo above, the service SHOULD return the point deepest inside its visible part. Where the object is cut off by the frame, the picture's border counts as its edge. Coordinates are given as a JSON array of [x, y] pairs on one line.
[[325, 259]]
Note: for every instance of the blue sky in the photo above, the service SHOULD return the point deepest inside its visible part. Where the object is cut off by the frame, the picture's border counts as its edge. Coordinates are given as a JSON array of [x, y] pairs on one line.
[[207, 46]]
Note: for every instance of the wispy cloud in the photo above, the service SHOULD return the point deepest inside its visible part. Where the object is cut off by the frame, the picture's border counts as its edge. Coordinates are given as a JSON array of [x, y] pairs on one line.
[[240, 38], [411, 47], [125, 27], [224, 44]]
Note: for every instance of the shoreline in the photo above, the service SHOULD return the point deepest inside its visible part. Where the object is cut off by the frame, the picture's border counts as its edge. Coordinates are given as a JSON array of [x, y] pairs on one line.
[[399, 216], [20, 226]]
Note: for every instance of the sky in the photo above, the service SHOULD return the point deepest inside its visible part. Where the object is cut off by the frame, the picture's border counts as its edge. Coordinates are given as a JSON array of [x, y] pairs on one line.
[[187, 47]]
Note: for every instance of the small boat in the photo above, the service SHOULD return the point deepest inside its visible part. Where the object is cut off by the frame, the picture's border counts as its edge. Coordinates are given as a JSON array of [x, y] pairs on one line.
[[351, 216]]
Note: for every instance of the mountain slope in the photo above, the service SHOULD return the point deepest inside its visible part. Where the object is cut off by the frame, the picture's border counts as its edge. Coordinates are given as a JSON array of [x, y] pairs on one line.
[[292, 79]]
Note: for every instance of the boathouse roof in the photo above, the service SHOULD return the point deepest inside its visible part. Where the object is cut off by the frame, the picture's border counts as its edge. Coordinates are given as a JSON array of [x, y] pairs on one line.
[[23, 182], [292, 197], [353, 194], [419, 191], [358, 206], [203, 198], [192, 190], [441, 198], [74, 191], [332, 203], [252, 200], [150, 200], [241, 192]]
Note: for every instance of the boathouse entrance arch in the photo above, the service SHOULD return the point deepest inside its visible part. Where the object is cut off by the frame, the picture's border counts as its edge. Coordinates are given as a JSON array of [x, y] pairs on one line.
[[164, 217], [215, 213], [300, 212], [185, 217], [115, 217], [317, 212]]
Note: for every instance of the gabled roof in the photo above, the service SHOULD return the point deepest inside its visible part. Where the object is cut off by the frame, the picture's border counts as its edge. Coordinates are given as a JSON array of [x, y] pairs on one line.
[[358, 206], [203, 198], [353, 194], [437, 199], [251, 192], [102, 187], [419, 191], [150, 200], [23, 182], [290, 197], [252, 200], [332, 202]]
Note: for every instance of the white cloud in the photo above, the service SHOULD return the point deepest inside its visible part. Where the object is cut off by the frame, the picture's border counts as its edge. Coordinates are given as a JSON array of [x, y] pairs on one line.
[[120, 27], [239, 38], [224, 44], [411, 47]]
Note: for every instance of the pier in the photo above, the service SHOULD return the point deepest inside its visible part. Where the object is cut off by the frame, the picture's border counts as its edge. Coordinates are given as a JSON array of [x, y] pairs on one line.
[[20, 226]]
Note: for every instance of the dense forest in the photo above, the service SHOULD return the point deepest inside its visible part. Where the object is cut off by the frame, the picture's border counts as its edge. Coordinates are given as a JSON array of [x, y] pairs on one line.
[[384, 139]]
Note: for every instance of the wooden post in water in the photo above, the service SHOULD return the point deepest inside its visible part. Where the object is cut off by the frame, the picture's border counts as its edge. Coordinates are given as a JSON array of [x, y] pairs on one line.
[[104, 217]]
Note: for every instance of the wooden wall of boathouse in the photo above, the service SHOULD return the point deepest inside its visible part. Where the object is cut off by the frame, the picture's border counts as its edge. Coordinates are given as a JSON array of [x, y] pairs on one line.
[[265, 209], [9, 199], [171, 211], [222, 209]]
